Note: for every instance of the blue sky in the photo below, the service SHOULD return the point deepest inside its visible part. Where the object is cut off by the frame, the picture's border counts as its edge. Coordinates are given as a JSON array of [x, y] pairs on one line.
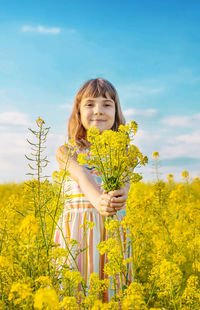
[[149, 50]]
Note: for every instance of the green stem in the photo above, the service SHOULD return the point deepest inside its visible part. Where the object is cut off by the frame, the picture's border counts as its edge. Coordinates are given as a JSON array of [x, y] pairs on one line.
[[110, 159], [152, 290], [2, 239], [122, 253], [115, 289], [58, 199], [103, 170]]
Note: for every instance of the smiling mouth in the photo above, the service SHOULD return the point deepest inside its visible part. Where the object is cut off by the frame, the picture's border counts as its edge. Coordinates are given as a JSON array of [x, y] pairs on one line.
[[98, 120]]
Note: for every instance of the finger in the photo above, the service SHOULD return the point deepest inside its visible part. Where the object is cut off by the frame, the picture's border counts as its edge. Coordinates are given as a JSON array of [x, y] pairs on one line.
[[111, 214], [118, 199], [105, 202], [117, 192], [106, 199], [107, 196], [117, 205], [121, 208], [108, 213], [107, 209]]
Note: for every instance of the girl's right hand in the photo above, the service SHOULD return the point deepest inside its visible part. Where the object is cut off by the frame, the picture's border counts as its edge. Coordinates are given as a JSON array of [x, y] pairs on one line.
[[104, 205]]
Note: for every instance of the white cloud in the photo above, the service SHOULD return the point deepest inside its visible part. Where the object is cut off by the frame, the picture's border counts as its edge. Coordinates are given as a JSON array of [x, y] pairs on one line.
[[187, 145], [183, 145], [180, 146], [181, 121], [41, 29], [180, 150], [66, 106], [143, 136], [14, 118], [13, 143], [14, 165], [145, 113], [132, 90], [13, 135], [68, 103], [149, 173], [12, 160], [192, 138]]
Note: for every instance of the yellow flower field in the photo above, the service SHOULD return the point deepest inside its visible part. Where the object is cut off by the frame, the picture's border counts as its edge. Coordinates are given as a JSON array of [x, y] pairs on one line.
[[156, 265], [163, 220]]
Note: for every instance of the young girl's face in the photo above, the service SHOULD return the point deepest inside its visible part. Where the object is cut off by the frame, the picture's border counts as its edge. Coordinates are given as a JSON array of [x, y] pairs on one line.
[[99, 112]]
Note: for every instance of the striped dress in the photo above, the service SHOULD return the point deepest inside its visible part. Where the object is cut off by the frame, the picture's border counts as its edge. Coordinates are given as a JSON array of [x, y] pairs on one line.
[[73, 221]]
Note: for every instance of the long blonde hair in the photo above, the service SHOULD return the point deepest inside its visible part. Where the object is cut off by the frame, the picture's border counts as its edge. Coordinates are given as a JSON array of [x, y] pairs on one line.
[[92, 88]]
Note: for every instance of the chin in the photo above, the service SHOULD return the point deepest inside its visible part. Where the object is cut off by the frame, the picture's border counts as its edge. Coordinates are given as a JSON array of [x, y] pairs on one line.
[[100, 128]]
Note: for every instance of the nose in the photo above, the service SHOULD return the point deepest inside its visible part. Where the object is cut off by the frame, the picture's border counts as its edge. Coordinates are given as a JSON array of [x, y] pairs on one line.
[[98, 109]]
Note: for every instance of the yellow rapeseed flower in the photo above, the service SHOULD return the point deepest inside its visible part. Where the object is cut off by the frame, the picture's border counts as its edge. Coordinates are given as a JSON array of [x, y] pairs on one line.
[[40, 122], [44, 281], [113, 155], [73, 275], [19, 292], [29, 228], [97, 286], [170, 177], [156, 155], [185, 174], [46, 298], [69, 303]]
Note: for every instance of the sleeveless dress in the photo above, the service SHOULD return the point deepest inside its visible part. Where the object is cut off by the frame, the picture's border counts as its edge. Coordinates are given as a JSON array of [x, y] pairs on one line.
[[77, 212]]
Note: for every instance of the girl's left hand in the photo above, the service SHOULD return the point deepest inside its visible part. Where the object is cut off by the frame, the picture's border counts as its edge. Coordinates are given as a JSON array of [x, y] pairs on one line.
[[118, 199]]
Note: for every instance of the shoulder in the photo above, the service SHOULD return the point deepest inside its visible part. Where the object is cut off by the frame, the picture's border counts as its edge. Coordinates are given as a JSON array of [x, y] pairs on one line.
[[66, 150], [63, 149]]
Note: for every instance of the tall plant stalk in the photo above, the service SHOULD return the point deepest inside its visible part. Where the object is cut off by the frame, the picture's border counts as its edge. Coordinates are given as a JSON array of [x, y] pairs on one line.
[[38, 163]]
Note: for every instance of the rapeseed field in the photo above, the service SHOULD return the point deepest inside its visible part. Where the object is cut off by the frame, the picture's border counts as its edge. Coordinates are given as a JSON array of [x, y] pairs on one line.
[[162, 233]]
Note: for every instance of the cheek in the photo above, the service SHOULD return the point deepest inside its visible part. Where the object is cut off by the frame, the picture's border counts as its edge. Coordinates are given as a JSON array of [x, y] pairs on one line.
[[83, 114], [113, 121], [85, 117], [112, 116]]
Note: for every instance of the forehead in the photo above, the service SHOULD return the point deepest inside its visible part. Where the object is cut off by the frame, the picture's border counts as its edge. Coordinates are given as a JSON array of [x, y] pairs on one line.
[[92, 95], [99, 99]]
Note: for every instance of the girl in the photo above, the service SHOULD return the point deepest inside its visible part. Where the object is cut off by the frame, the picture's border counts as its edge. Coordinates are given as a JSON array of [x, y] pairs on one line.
[[96, 104]]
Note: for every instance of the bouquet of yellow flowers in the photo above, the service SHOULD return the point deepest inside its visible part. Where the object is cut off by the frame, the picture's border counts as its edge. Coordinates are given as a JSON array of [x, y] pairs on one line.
[[114, 156]]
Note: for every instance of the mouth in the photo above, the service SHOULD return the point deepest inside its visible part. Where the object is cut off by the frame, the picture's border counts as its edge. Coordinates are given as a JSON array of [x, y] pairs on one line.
[[98, 120]]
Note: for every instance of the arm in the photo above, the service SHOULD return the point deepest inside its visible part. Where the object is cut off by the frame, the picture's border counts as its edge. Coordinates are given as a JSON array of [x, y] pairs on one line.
[[99, 199]]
